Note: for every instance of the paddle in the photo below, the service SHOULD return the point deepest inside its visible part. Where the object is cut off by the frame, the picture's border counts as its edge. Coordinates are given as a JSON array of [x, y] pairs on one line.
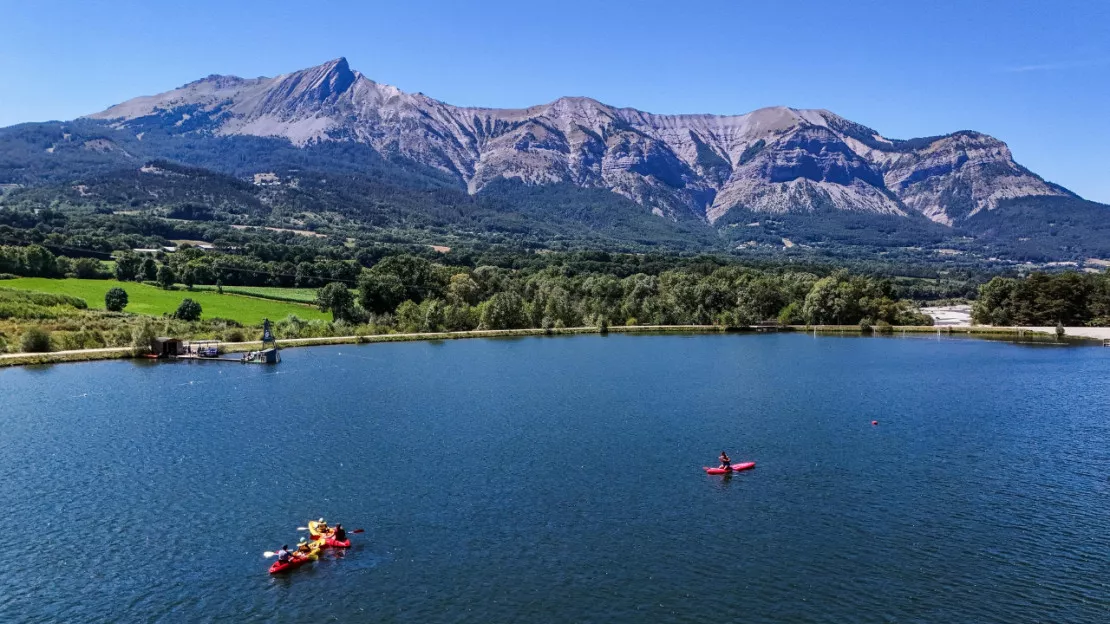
[[270, 553], [351, 531]]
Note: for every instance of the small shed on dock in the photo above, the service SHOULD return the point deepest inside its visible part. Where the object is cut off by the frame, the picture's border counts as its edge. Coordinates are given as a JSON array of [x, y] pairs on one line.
[[165, 347]]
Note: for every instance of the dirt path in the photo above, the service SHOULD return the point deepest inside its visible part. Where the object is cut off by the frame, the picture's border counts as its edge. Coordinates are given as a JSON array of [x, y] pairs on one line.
[[1098, 333], [12, 356]]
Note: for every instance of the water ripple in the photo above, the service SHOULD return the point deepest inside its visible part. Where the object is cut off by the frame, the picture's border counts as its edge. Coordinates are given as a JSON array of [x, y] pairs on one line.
[[559, 480]]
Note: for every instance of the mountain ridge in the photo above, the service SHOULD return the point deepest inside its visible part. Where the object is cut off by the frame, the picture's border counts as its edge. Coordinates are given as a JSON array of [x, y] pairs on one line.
[[329, 143], [701, 166]]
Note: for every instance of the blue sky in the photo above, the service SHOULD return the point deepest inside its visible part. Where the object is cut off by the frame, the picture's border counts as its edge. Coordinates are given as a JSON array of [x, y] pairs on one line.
[[1034, 74]]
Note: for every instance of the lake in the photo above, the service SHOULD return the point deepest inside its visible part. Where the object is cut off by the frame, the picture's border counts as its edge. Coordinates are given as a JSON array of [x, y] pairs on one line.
[[560, 480]]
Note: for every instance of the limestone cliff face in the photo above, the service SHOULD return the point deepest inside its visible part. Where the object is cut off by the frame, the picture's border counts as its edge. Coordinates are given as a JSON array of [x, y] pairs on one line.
[[680, 166], [956, 176]]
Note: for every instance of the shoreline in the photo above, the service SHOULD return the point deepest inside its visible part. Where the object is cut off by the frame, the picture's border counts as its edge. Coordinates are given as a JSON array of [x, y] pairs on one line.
[[987, 333]]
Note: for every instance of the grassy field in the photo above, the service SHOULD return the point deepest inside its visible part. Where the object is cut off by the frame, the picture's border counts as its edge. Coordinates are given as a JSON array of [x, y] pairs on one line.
[[144, 299], [303, 295]]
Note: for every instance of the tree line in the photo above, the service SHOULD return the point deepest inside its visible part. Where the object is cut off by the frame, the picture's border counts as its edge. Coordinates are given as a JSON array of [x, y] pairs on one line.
[[1041, 299], [410, 293], [38, 261], [188, 266]]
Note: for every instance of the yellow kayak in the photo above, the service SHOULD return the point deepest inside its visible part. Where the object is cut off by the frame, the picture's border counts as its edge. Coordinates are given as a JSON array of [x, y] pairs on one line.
[[315, 532]]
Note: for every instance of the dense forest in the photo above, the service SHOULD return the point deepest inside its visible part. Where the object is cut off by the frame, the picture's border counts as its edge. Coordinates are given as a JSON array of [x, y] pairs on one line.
[[1044, 299], [427, 297]]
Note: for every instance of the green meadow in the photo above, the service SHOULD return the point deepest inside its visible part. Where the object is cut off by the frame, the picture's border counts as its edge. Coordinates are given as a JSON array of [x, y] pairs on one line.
[[154, 301]]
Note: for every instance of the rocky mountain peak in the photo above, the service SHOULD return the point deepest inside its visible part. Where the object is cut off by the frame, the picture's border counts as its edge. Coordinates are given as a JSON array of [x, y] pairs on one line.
[[314, 85], [217, 81], [576, 104], [772, 159]]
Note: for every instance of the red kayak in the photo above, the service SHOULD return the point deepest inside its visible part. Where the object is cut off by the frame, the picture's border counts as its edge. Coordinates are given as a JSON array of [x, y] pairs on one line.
[[735, 468], [285, 566], [331, 542]]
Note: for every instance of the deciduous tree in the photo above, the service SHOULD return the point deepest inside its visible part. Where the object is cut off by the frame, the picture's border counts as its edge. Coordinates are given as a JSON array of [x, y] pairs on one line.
[[115, 300]]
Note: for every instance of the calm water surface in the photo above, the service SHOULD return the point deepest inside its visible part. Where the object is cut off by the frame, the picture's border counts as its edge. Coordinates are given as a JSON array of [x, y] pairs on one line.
[[560, 480]]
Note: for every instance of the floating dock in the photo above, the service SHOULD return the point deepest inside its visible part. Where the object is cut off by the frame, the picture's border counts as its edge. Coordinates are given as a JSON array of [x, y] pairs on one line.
[[268, 354], [209, 350]]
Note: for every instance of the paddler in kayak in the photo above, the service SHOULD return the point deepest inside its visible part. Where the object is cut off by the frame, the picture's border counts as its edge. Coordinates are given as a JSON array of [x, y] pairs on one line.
[[303, 549], [340, 533], [726, 463], [322, 527], [284, 555]]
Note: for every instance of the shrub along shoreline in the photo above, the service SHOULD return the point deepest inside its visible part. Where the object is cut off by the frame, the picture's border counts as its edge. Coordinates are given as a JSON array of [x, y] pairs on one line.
[[989, 333]]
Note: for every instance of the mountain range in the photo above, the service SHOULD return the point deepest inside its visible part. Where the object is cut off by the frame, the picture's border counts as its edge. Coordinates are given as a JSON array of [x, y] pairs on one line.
[[715, 172]]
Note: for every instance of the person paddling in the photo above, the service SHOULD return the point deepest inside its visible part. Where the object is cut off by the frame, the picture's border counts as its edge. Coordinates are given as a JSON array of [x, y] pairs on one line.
[[340, 533], [726, 463], [284, 555], [303, 549]]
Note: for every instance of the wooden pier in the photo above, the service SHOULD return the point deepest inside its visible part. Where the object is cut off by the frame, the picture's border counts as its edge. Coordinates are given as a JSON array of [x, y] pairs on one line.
[[209, 350]]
